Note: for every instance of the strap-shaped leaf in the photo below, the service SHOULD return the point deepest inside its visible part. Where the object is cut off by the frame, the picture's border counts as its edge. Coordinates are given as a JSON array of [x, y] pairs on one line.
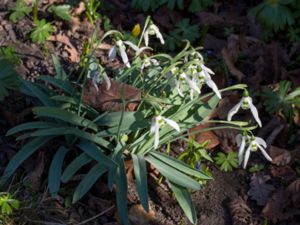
[[61, 84], [74, 166], [121, 192], [185, 201], [94, 152], [26, 151], [140, 174], [30, 126], [179, 165], [55, 170], [88, 181], [61, 114], [173, 174], [60, 73], [33, 90]]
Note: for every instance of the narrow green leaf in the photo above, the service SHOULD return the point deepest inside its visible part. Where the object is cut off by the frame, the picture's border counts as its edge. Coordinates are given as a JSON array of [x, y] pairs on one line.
[[172, 174], [64, 115], [88, 181], [60, 73], [179, 165], [140, 173], [30, 126], [61, 84], [94, 152], [26, 151], [55, 170], [74, 166], [185, 201]]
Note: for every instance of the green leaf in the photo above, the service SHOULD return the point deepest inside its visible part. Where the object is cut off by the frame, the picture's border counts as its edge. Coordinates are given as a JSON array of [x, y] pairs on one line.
[[61, 114], [88, 181], [30, 126], [60, 73], [61, 11], [173, 174], [198, 5], [183, 30], [179, 165], [227, 162], [95, 153], [185, 201], [54, 175], [74, 166], [140, 174], [61, 84], [19, 11], [26, 151], [42, 31]]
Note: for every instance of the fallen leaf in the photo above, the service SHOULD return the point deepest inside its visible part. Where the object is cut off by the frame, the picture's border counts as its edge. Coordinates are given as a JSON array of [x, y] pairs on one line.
[[137, 215], [259, 189], [284, 172], [230, 64], [35, 176], [201, 137], [228, 138], [80, 9], [69, 47], [111, 99], [280, 156], [241, 214]]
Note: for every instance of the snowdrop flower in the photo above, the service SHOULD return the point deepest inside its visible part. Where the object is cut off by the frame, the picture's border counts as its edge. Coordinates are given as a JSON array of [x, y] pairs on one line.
[[205, 77], [159, 121], [254, 143], [153, 30], [120, 48], [97, 73], [148, 62], [192, 84], [245, 103], [241, 141]]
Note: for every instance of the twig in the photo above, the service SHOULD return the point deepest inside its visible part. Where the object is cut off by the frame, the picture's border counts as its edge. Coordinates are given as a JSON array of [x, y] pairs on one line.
[[95, 217]]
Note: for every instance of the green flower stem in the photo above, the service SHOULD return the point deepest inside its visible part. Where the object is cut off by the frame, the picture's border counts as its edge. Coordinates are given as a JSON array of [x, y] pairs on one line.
[[35, 11], [144, 29]]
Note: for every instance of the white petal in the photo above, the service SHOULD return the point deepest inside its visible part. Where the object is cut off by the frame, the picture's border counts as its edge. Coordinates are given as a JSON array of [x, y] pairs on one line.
[[146, 37], [158, 34], [238, 139], [153, 125], [172, 123], [112, 53], [192, 84], [107, 80], [234, 110], [131, 45], [156, 136], [213, 86], [261, 141], [264, 153], [247, 155], [178, 87], [241, 151], [254, 112], [137, 53], [124, 56], [206, 69], [94, 80]]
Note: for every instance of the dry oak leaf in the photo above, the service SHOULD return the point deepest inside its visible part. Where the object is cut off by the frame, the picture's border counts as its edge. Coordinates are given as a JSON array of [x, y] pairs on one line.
[[260, 190], [112, 99], [284, 172], [280, 156], [240, 212], [137, 215], [69, 47]]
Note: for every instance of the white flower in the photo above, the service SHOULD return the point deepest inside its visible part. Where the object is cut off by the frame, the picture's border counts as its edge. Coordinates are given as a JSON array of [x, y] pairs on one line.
[[192, 84], [245, 103], [97, 73], [153, 30], [254, 143], [205, 77], [119, 48], [159, 121], [148, 62]]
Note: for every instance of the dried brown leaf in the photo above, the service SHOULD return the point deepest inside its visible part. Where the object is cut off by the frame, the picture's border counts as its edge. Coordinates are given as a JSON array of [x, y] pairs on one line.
[[35, 175], [205, 136], [240, 212], [260, 190], [284, 172], [137, 215], [280, 156]]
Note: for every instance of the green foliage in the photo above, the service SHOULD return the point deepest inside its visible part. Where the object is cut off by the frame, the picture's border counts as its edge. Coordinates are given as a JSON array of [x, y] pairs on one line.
[[198, 5], [9, 79], [256, 168], [8, 204], [19, 11], [10, 54], [91, 7], [61, 11], [42, 31], [227, 162], [182, 31], [228, 31], [274, 14], [283, 100]]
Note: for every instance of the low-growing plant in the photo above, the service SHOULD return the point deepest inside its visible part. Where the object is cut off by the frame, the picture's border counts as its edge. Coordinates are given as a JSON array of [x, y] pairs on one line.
[[282, 100], [227, 162], [8, 204], [91, 7], [19, 11], [61, 11], [42, 31], [9, 53], [170, 104]]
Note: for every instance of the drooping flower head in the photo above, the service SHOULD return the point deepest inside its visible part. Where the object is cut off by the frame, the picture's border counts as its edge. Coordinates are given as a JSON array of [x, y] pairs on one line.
[[153, 30], [245, 103]]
